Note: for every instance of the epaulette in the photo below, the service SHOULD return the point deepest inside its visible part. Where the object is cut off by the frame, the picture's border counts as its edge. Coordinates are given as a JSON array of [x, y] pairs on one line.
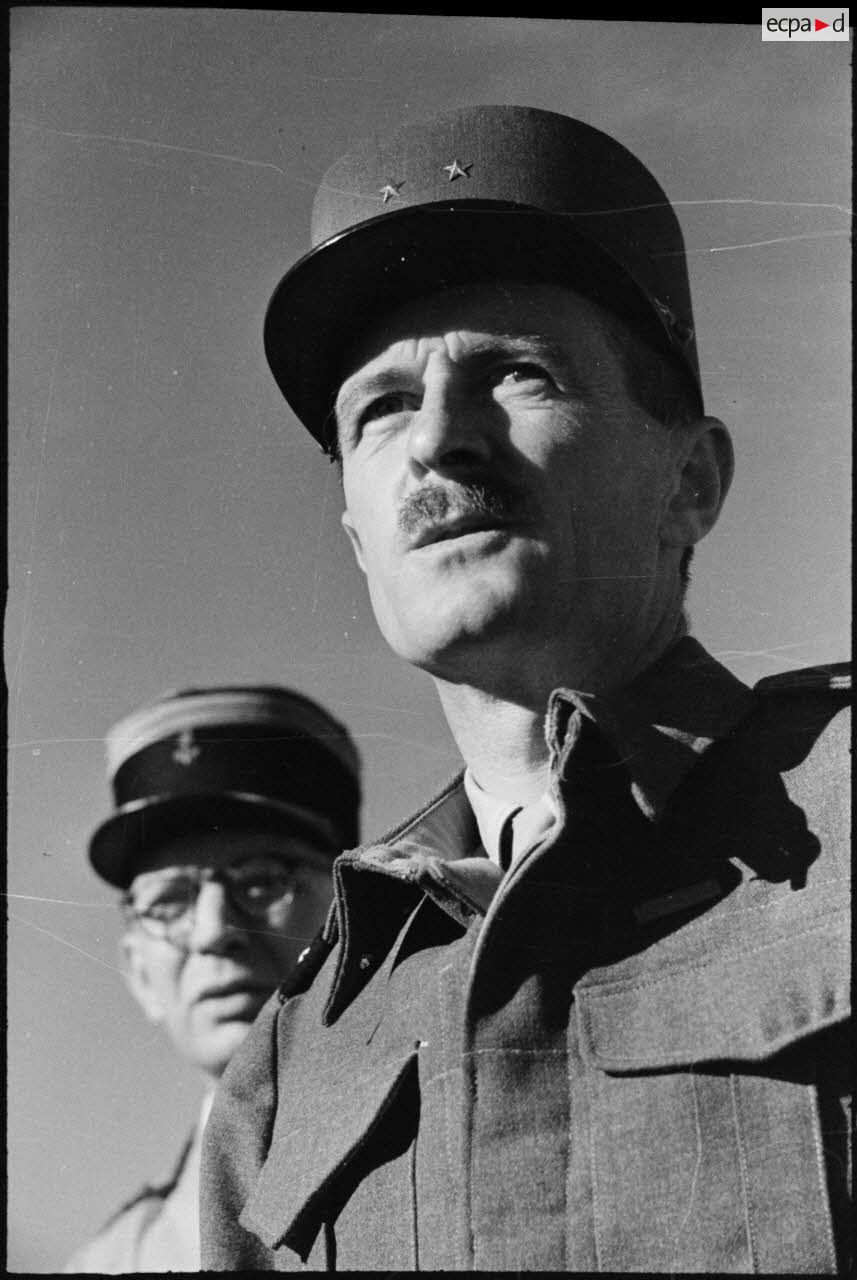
[[827, 677]]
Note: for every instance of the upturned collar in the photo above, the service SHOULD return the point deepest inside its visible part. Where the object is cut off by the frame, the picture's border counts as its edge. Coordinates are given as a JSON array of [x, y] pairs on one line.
[[659, 725]]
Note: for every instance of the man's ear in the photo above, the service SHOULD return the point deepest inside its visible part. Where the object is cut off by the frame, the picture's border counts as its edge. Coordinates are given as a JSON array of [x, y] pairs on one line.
[[704, 463], [354, 538], [138, 980]]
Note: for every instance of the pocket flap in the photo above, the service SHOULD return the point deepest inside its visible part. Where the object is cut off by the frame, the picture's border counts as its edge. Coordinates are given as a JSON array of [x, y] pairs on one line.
[[745, 1006], [297, 1188]]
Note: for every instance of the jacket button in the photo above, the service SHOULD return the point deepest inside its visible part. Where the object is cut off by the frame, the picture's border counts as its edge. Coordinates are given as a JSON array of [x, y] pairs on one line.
[[365, 962]]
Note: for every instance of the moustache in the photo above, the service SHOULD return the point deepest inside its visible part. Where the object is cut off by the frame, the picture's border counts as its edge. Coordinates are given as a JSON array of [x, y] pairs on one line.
[[436, 503]]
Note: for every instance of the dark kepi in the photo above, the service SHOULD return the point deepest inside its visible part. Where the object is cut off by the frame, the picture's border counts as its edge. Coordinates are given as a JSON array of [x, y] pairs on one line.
[[483, 192], [259, 757]]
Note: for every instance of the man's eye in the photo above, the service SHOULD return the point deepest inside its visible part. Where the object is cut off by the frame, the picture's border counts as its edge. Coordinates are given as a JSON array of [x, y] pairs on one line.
[[264, 885], [166, 906], [522, 372], [383, 406]]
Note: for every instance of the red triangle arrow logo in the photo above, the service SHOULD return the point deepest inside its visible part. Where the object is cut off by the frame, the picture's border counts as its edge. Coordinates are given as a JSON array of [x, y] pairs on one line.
[[819, 25]]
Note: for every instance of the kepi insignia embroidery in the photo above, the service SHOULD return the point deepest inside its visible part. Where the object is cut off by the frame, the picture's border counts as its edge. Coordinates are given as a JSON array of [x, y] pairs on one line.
[[186, 749]]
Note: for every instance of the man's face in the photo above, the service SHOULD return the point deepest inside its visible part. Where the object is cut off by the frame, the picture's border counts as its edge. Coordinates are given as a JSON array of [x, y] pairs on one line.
[[498, 480], [207, 989]]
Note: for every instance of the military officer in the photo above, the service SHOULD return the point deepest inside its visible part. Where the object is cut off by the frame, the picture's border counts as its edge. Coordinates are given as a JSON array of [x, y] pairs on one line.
[[231, 803], [586, 1010]]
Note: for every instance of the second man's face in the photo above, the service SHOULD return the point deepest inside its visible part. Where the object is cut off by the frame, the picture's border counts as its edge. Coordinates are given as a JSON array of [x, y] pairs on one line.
[[498, 480], [207, 975]]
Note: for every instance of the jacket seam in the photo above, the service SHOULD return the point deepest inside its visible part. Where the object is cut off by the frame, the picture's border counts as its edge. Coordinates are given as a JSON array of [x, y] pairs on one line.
[[593, 1172], [507, 1050], [446, 1076], [609, 991], [470, 1102], [275, 1074], [415, 1221], [677, 1058], [765, 906], [744, 1172], [821, 1169]]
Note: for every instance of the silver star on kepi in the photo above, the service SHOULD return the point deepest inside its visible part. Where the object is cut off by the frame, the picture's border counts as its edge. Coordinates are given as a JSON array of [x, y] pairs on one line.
[[457, 170], [390, 190]]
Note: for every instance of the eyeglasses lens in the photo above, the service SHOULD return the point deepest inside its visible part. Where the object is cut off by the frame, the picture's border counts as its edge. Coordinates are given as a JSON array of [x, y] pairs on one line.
[[164, 906]]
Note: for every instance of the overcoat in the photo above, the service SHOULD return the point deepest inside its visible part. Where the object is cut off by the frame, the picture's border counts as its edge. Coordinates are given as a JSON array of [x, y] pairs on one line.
[[627, 1053]]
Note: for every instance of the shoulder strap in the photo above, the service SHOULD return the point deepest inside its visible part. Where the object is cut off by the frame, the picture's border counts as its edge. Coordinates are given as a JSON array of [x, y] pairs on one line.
[[827, 677]]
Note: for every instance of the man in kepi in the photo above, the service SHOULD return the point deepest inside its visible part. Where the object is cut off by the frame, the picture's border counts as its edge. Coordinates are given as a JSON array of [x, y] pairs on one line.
[[586, 1011], [230, 806]]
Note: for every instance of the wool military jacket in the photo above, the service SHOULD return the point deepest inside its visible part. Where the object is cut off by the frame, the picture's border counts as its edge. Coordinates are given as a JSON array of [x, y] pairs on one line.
[[628, 1052]]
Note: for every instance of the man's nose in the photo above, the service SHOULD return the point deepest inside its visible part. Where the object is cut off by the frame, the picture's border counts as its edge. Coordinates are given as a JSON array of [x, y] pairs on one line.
[[451, 432], [215, 927]]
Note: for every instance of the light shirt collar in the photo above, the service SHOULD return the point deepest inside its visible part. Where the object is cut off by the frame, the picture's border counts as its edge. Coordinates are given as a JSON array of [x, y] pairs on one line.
[[494, 815], [205, 1109], [490, 813], [659, 726]]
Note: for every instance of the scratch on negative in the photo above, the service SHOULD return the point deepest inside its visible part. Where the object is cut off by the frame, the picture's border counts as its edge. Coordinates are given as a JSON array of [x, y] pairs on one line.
[[697, 1167], [16, 682], [149, 142], [268, 164], [191, 151], [48, 742], [65, 942], [684, 204], [771, 652], [399, 738], [753, 244], [61, 902]]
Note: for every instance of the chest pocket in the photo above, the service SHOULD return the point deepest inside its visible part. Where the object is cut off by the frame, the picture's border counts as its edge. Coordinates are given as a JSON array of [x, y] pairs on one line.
[[320, 1169], [707, 1092]]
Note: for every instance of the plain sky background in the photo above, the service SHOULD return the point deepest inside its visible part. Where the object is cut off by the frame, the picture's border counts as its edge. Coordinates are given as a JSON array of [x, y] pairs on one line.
[[171, 524]]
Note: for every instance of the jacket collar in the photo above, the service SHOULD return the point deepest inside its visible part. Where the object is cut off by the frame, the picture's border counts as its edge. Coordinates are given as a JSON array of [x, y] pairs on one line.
[[660, 725]]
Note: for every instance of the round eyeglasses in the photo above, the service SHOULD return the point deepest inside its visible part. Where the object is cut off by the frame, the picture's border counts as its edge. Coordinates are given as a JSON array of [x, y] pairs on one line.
[[163, 903]]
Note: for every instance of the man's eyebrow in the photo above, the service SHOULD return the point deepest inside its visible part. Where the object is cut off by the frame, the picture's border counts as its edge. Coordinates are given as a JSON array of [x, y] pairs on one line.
[[163, 875], [483, 353], [495, 349], [496, 346], [358, 388]]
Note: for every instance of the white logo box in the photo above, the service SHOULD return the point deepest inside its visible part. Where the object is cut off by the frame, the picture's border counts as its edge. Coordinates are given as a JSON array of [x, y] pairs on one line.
[[805, 24]]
